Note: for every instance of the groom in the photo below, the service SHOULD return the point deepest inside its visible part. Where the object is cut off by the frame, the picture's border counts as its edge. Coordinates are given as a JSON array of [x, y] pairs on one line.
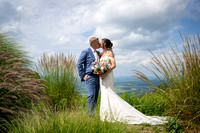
[[86, 74]]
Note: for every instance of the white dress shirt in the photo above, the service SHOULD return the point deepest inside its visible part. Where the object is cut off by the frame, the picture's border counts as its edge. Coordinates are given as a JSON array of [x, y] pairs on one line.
[[95, 54]]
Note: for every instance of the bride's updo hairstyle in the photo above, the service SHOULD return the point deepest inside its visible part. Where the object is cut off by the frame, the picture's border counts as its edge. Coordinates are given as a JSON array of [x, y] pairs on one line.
[[108, 43]]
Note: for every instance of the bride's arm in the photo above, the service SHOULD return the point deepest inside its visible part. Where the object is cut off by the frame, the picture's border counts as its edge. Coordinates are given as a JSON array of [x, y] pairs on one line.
[[113, 65]]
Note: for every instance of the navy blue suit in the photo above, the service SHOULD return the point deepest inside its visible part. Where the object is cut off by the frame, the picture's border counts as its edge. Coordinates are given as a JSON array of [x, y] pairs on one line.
[[84, 66]]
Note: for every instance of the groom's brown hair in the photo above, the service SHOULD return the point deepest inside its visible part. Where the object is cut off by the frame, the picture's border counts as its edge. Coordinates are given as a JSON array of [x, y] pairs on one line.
[[93, 39]]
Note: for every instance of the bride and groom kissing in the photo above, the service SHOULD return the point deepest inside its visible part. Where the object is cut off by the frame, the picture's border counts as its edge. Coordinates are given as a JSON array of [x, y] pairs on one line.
[[112, 107]]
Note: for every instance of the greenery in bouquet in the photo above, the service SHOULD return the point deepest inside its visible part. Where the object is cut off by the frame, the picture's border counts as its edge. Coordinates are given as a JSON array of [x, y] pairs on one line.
[[96, 66], [100, 67]]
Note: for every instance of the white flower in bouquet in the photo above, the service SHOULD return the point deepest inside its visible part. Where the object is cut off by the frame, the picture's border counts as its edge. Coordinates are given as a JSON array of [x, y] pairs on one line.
[[100, 67]]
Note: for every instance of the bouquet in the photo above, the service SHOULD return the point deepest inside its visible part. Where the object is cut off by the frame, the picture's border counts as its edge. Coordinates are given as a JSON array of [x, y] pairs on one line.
[[100, 67]]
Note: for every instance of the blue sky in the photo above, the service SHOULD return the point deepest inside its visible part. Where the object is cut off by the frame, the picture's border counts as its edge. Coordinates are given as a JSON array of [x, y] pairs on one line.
[[64, 26]]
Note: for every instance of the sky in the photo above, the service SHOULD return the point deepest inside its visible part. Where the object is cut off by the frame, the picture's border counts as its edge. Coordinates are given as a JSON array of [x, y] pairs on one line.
[[134, 26]]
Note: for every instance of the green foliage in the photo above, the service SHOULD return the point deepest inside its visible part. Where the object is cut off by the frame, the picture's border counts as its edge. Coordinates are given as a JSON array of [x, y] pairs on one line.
[[149, 104], [179, 73], [76, 121], [83, 101], [18, 86], [155, 129], [173, 125], [146, 124], [132, 100], [62, 80]]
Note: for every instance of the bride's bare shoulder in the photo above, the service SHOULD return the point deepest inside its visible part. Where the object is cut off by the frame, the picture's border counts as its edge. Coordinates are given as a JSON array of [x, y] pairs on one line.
[[111, 54]]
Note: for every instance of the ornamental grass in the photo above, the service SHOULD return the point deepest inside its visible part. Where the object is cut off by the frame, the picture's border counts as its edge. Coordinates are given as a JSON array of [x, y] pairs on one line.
[[20, 86], [62, 79], [179, 73]]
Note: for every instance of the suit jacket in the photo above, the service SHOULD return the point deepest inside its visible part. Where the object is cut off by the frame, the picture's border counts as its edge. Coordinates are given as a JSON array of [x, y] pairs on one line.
[[84, 64]]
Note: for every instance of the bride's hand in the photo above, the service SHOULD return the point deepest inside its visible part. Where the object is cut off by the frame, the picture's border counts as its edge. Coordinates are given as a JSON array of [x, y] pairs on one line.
[[103, 75]]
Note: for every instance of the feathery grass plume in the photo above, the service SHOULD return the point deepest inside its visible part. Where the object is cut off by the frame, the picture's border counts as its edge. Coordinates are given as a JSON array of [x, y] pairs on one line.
[[9, 45], [16, 93], [62, 79], [179, 73]]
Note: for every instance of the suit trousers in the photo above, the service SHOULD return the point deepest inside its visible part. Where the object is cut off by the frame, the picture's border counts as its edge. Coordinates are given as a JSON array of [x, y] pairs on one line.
[[92, 86]]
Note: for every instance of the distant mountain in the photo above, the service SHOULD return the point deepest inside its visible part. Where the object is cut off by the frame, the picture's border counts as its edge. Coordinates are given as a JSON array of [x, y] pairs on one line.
[[132, 85]]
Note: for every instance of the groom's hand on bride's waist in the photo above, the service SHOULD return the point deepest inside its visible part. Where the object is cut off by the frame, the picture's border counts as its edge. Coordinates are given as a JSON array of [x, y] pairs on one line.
[[85, 77]]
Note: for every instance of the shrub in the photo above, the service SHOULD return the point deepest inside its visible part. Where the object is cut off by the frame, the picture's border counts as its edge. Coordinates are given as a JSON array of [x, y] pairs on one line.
[[18, 85], [62, 79], [173, 125], [179, 73], [149, 104]]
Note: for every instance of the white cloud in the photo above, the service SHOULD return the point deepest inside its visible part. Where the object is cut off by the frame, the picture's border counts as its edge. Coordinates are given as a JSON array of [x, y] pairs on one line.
[[65, 26], [178, 27]]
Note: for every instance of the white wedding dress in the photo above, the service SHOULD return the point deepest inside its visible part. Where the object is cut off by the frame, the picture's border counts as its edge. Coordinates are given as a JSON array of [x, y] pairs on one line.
[[113, 108]]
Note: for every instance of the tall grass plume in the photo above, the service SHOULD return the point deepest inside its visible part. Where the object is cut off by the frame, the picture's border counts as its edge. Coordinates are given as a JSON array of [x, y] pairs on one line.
[[19, 85], [62, 80], [179, 72]]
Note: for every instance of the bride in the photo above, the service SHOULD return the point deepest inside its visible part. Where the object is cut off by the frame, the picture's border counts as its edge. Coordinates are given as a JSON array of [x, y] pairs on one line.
[[112, 107]]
